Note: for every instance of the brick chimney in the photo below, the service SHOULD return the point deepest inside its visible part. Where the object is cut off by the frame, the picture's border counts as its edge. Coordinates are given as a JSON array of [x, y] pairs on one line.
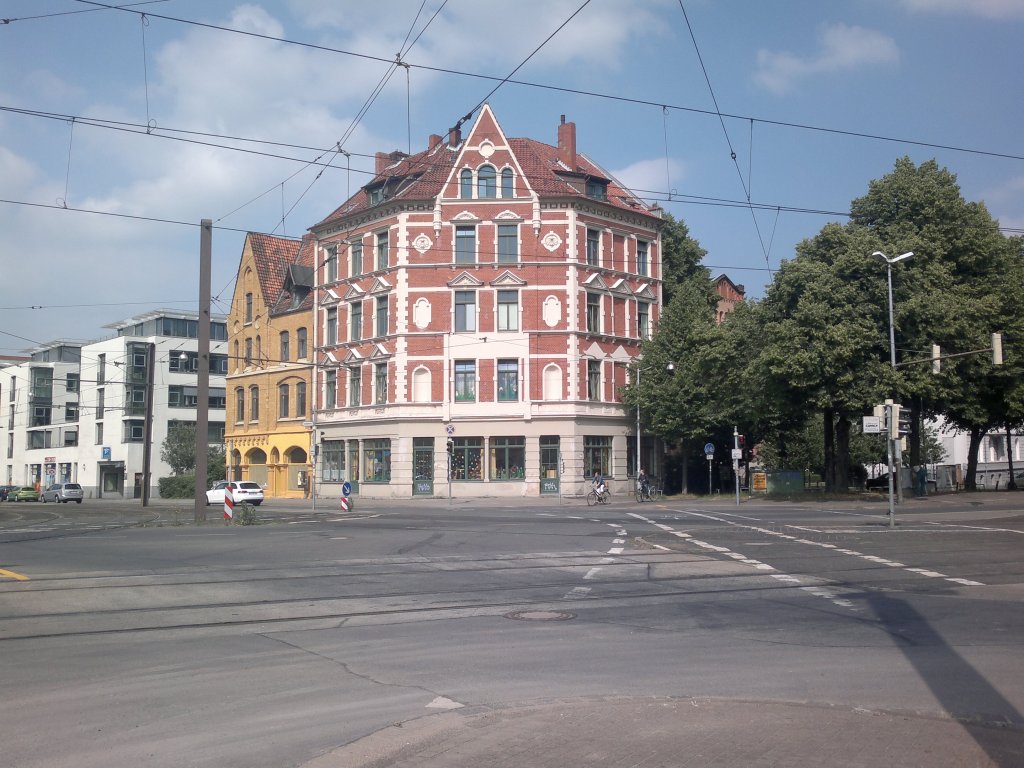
[[433, 140], [454, 137], [382, 161], [567, 143]]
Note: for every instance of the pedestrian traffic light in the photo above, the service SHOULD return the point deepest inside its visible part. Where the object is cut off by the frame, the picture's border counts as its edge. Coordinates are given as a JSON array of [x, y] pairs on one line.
[[451, 447], [906, 416]]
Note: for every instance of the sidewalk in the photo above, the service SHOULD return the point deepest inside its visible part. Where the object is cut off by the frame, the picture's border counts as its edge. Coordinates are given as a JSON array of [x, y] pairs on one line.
[[680, 733]]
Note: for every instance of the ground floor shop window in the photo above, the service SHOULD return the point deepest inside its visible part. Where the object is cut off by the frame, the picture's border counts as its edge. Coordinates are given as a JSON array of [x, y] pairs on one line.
[[597, 455], [467, 458], [377, 461], [333, 461], [507, 458]]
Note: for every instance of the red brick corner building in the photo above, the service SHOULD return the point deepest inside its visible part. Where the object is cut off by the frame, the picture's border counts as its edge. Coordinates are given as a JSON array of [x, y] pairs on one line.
[[479, 308]]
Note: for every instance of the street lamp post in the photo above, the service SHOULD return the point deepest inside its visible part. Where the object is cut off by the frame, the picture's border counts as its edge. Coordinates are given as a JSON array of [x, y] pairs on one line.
[[892, 359], [670, 368]]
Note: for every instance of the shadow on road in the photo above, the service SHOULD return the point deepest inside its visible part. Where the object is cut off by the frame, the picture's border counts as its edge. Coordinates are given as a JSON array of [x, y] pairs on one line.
[[985, 714]]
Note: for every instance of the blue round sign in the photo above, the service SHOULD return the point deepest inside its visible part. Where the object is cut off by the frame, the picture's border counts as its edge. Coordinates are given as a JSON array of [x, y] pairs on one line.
[[346, 488], [709, 448]]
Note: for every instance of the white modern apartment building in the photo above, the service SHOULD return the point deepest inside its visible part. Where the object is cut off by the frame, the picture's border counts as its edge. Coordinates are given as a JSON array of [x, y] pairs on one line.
[[76, 411]]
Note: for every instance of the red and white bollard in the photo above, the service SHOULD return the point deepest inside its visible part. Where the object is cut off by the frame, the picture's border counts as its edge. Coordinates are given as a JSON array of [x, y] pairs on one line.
[[229, 505], [346, 505]]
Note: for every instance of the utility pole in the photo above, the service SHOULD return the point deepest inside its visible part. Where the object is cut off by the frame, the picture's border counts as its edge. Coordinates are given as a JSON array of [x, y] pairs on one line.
[[147, 429], [203, 385]]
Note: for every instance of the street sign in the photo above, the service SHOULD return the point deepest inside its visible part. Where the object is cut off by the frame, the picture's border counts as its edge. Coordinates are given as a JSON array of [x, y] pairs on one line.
[[450, 429], [872, 425], [346, 488], [737, 453], [709, 449]]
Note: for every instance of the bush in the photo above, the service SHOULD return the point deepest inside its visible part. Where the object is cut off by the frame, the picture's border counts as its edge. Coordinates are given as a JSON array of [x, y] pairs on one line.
[[245, 514], [177, 487]]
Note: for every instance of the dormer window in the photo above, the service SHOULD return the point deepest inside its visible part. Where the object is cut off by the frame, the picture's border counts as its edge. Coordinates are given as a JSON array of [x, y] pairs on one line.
[[376, 195], [598, 190]]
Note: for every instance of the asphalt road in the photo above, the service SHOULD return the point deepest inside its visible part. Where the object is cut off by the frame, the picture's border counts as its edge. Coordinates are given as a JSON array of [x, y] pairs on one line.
[[497, 633]]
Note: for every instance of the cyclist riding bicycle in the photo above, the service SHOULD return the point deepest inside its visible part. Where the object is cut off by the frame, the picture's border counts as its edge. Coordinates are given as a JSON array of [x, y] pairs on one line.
[[598, 482], [643, 483]]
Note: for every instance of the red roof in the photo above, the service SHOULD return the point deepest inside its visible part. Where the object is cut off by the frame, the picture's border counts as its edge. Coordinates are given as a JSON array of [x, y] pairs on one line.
[[422, 177], [274, 256]]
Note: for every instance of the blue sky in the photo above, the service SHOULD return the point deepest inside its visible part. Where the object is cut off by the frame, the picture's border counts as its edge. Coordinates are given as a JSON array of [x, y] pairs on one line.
[[914, 73]]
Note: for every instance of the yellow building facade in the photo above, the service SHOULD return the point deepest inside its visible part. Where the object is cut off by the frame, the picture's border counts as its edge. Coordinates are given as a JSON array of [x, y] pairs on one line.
[[269, 382]]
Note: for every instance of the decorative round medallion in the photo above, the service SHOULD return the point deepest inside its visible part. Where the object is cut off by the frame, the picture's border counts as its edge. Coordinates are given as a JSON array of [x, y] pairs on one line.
[[422, 243], [551, 241]]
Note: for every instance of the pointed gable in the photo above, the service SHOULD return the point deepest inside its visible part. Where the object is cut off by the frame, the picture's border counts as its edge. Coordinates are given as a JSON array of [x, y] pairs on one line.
[[507, 278], [464, 280]]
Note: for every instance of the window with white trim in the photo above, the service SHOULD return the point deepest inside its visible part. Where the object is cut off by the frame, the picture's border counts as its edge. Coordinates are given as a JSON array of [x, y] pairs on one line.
[[465, 311], [508, 310], [465, 244]]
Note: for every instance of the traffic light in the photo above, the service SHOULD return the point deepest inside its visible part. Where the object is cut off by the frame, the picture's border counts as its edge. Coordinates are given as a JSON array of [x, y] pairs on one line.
[[892, 425], [936, 359], [741, 440], [451, 447], [906, 416]]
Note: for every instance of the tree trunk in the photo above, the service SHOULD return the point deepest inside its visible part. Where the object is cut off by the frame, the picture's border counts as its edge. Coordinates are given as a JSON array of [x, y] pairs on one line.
[[685, 479], [971, 479], [1012, 484], [828, 430], [842, 454]]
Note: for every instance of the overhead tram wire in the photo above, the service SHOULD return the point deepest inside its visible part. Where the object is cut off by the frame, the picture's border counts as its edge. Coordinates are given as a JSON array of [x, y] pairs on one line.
[[521, 64], [725, 132], [338, 150], [84, 10], [579, 91]]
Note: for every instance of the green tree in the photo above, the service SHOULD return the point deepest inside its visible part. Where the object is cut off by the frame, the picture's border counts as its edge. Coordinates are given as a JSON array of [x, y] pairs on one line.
[[681, 256], [179, 452], [956, 290]]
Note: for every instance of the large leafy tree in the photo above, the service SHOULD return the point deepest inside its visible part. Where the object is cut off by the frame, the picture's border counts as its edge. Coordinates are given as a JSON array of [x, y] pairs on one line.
[[822, 351], [954, 292]]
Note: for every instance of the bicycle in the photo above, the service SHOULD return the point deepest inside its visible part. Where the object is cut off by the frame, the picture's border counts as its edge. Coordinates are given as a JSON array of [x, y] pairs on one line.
[[643, 492], [598, 498]]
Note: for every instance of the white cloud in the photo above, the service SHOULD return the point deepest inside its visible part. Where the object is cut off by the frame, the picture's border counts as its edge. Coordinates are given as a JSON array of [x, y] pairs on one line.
[[646, 176], [483, 36], [988, 9], [842, 48]]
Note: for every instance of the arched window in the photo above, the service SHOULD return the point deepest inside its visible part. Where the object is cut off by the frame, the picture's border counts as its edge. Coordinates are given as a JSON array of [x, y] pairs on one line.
[[285, 346], [282, 401], [486, 179], [466, 184], [300, 340], [254, 403], [507, 183], [239, 404], [259, 351], [300, 398]]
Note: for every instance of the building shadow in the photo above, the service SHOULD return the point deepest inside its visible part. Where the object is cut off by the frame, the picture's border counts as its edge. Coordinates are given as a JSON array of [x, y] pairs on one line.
[[984, 713]]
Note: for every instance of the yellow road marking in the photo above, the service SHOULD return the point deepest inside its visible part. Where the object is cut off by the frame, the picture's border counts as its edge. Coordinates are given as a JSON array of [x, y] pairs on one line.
[[12, 575]]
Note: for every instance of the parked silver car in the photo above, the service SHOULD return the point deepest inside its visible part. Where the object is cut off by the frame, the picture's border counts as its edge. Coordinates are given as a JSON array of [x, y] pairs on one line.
[[63, 493]]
